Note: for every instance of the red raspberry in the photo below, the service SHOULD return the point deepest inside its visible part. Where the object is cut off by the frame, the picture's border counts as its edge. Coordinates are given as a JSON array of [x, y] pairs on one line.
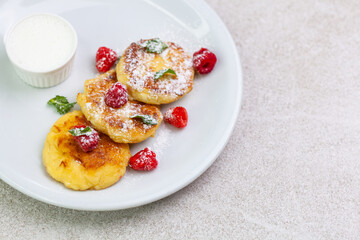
[[87, 142], [116, 96], [105, 58], [145, 160], [204, 61], [177, 117]]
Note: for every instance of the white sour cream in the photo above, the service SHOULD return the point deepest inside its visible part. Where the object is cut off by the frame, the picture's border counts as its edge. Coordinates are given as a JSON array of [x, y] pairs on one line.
[[41, 43]]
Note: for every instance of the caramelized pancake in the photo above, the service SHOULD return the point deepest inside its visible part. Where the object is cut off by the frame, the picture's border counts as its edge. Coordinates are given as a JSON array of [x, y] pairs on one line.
[[116, 122], [65, 161], [137, 67]]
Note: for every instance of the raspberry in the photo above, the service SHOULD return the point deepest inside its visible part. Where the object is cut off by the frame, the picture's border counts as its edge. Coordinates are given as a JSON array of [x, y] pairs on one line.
[[177, 117], [145, 160], [105, 58], [116, 96], [204, 61], [87, 142]]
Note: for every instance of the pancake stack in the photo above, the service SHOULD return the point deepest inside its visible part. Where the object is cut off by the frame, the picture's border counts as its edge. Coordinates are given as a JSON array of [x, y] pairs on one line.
[[138, 70]]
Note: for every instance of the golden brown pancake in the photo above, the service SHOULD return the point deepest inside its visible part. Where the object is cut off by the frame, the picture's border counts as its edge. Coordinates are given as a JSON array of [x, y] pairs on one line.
[[66, 162], [137, 67], [116, 122]]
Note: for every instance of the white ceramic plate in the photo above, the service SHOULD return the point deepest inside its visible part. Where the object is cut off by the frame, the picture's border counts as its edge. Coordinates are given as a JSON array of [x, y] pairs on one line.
[[183, 155]]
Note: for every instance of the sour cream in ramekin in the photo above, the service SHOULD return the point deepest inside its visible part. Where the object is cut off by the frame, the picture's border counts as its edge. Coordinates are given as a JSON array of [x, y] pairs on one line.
[[42, 49]]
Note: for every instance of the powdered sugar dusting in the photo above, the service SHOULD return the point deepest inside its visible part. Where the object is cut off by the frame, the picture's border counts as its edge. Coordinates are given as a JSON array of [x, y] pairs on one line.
[[163, 139], [189, 42]]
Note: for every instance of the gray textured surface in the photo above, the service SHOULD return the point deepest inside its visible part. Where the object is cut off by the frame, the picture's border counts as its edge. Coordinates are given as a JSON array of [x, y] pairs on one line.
[[292, 167]]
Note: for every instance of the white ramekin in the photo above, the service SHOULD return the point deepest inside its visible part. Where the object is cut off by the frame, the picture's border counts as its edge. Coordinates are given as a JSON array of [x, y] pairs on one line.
[[49, 77]]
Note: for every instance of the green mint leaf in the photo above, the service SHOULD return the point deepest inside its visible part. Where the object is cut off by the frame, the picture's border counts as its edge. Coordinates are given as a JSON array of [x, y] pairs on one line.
[[160, 73], [81, 131], [61, 104], [154, 45], [147, 119]]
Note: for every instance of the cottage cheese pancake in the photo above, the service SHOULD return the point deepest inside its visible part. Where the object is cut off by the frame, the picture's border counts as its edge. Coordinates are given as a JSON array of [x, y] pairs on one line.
[[137, 68], [66, 162], [116, 122]]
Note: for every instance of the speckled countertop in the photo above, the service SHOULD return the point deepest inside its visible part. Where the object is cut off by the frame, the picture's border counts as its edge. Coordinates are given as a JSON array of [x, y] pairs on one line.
[[291, 169]]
